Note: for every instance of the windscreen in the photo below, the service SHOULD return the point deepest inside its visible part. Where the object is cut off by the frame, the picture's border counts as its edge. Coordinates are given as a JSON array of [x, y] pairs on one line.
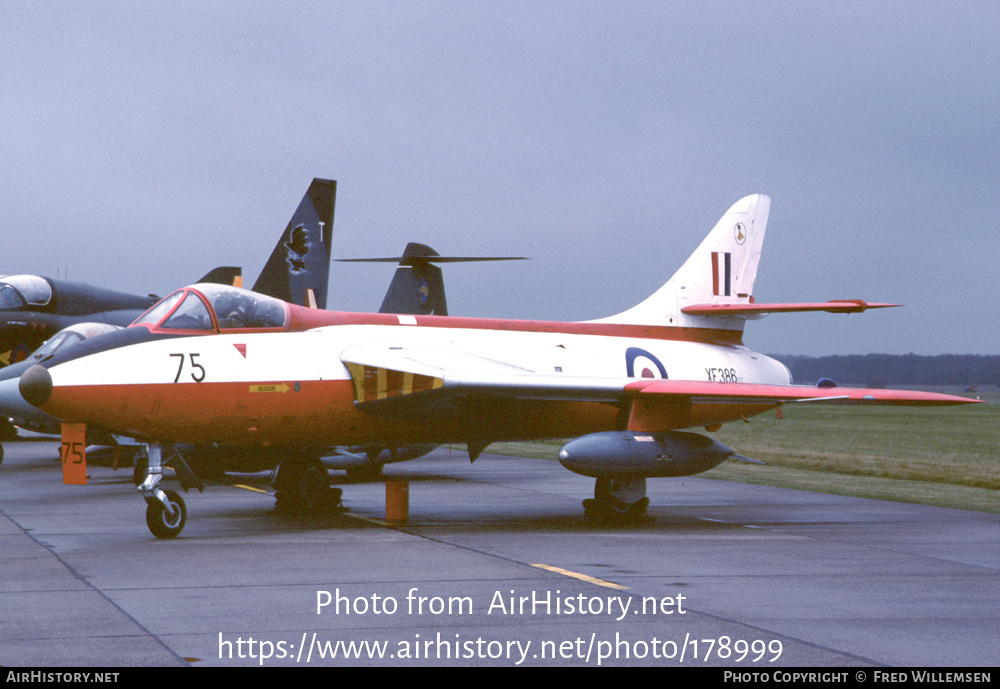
[[160, 309]]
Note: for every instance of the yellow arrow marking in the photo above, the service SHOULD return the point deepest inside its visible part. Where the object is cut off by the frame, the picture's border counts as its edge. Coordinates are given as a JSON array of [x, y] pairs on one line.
[[282, 388]]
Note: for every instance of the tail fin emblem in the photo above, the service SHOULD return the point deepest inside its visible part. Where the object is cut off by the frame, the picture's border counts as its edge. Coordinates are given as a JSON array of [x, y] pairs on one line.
[[740, 233], [298, 247]]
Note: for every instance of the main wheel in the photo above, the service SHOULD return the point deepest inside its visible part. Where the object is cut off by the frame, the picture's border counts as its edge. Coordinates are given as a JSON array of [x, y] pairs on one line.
[[314, 484], [160, 523], [617, 501]]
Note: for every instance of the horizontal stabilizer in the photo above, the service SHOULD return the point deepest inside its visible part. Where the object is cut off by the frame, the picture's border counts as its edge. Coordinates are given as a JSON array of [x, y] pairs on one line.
[[431, 259], [421, 253], [417, 288], [834, 306]]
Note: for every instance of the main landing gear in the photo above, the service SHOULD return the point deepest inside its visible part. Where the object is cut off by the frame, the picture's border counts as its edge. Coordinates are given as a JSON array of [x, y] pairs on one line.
[[304, 487], [617, 501]]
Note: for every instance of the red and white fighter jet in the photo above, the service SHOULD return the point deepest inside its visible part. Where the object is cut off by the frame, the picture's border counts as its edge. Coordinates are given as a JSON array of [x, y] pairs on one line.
[[623, 386]]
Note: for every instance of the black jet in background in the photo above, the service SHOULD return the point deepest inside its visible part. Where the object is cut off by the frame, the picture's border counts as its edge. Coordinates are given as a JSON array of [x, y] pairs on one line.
[[33, 308]]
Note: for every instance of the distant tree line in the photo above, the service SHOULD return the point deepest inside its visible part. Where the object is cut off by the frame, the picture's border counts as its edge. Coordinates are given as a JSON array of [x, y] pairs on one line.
[[877, 370]]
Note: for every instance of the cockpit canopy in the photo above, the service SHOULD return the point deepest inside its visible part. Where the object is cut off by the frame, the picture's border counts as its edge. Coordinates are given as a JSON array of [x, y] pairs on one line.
[[20, 291], [70, 336], [208, 308]]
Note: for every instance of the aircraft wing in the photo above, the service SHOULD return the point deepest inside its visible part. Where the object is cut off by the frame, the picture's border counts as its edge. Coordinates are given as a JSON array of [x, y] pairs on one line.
[[834, 306], [415, 381], [751, 393], [409, 381]]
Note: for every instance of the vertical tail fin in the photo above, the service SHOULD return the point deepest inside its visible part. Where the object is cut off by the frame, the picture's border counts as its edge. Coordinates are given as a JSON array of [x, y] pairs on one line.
[[417, 287], [301, 260], [224, 275], [722, 270]]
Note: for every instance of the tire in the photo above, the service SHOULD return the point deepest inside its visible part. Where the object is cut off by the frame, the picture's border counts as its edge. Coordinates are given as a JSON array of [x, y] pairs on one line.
[[159, 522], [314, 487]]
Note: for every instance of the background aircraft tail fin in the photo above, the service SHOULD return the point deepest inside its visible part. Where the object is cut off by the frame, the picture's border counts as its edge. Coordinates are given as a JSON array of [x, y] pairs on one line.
[[722, 270], [417, 288], [301, 260], [224, 275]]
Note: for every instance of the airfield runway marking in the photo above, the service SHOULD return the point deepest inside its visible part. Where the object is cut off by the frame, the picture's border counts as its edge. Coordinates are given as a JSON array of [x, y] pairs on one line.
[[549, 568], [581, 577], [372, 520], [255, 490]]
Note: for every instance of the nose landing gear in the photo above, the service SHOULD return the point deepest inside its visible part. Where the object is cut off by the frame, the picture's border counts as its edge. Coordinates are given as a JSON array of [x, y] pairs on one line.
[[166, 513]]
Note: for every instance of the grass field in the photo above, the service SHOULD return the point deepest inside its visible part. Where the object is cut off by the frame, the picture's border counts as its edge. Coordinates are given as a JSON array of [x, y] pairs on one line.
[[947, 456]]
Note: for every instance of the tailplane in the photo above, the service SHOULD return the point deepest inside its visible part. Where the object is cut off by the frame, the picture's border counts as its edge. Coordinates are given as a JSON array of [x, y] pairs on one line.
[[417, 288], [298, 270], [721, 271]]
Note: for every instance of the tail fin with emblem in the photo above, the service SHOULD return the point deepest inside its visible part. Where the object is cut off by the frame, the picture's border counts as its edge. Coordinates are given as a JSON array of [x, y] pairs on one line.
[[721, 271], [714, 287], [298, 270]]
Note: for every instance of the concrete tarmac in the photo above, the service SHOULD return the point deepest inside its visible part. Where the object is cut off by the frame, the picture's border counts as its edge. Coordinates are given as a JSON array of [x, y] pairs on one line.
[[496, 567]]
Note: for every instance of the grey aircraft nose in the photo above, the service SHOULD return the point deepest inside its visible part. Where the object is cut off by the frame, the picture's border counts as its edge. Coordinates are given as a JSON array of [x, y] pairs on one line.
[[36, 385]]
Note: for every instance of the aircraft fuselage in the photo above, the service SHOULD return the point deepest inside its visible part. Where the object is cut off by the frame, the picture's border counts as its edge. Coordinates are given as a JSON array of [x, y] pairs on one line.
[[274, 389]]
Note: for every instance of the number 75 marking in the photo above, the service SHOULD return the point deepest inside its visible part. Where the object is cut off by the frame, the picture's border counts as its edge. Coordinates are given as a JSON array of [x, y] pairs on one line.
[[71, 450], [194, 364]]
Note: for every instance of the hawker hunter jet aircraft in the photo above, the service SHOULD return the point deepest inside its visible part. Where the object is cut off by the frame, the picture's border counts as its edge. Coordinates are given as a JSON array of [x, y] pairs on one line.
[[417, 288], [624, 386]]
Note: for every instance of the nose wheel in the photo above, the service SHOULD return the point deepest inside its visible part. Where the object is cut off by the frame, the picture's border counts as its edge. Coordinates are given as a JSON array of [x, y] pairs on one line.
[[166, 513], [166, 521]]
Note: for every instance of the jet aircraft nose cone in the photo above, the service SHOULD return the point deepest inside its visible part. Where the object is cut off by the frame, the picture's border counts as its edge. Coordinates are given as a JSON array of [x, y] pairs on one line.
[[36, 385]]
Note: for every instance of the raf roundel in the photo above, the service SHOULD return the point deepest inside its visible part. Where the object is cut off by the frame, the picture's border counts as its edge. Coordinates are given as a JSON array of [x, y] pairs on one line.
[[641, 364]]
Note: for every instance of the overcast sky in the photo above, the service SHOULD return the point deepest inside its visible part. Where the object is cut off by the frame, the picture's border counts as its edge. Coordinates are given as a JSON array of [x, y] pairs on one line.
[[141, 144]]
